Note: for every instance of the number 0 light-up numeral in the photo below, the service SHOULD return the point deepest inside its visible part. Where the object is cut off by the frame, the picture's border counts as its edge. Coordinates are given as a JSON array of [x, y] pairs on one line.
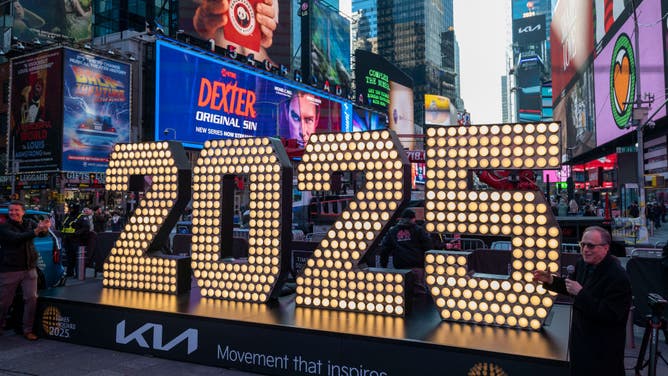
[[129, 265], [524, 216], [331, 278], [268, 168]]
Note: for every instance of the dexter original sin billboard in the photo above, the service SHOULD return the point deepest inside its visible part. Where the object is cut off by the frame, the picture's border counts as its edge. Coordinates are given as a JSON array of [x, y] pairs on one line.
[[201, 97], [627, 67], [96, 109]]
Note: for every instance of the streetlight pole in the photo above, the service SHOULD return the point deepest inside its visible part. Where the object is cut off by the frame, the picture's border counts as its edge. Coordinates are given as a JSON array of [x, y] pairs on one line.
[[643, 235]]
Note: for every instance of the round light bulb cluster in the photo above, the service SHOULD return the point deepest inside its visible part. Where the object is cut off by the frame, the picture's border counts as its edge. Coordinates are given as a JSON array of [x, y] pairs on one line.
[[128, 267], [524, 216], [250, 280], [331, 278]]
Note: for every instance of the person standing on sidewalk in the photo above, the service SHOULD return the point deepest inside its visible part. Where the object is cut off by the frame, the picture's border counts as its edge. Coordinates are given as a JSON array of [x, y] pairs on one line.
[[18, 260]]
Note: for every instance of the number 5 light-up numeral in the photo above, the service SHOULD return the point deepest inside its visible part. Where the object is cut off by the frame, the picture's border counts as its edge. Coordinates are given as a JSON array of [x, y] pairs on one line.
[[331, 278], [452, 153]]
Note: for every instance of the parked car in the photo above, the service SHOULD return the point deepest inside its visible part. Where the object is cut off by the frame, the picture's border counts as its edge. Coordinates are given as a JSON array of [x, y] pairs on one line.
[[51, 272]]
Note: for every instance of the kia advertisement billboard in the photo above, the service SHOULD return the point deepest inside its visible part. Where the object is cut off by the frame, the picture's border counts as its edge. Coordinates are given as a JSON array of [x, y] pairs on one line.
[[329, 34], [621, 64], [577, 116], [261, 28], [572, 42], [96, 110], [52, 19], [199, 97], [529, 30], [36, 111]]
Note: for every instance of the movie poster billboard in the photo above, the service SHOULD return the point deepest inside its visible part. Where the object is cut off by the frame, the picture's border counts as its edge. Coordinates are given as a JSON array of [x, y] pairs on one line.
[[199, 98], [96, 110], [52, 19], [36, 111], [329, 46], [572, 42], [577, 116], [437, 110], [616, 72], [261, 28]]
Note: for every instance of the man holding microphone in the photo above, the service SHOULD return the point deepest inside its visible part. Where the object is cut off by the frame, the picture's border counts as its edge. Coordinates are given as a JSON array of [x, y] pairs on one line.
[[601, 293]]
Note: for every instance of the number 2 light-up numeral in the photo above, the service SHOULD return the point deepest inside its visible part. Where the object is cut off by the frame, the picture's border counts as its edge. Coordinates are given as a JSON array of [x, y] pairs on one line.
[[270, 175], [331, 278], [524, 216], [129, 265]]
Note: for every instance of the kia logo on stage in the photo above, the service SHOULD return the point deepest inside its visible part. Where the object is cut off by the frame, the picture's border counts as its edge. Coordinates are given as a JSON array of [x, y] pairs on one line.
[[155, 341]]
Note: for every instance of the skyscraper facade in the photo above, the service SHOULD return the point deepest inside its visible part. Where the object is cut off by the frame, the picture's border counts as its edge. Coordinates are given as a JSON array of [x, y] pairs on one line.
[[416, 36]]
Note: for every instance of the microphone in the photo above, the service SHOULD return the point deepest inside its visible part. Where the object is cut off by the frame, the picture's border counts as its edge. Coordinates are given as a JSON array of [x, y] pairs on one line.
[[570, 272]]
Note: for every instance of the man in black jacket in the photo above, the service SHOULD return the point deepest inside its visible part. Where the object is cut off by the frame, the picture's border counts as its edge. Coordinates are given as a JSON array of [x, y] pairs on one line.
[[406, 243], [601, 293], [18, 260]]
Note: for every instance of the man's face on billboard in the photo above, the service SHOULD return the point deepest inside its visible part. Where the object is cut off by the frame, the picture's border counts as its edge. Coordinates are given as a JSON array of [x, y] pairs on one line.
[[303, 117]]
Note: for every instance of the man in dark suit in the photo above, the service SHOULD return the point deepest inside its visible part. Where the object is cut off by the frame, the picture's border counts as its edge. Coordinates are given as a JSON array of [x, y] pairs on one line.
[[601, 293]]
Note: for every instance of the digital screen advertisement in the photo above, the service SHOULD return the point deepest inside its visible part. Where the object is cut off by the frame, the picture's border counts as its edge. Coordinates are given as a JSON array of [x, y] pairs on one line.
[[529, 29], [621, 64], [572, 42], [199, 98], [96, 110], [51, 19], [401, 113], [577, 116], [606, 11], [261, 28], [373, 75], [330, 45], [437, 110], [36, 108]]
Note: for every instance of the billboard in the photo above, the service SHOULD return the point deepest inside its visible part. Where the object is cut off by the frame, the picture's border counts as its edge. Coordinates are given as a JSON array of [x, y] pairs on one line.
[[529, 30], [96, 110], [373, 75], [577, 115], [365, 120], [51, 19], [261, 28], [199, 97], [36, 111], [401, 113], [616, 72], [572, 42], [329, 34], [606, 11], [437, 110]]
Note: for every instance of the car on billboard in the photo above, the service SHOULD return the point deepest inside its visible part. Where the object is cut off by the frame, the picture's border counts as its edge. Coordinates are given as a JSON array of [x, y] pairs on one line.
[[51, 272], [97, 130]]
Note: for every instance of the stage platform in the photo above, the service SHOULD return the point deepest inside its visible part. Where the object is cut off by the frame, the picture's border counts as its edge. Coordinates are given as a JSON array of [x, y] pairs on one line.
[[281, 339]]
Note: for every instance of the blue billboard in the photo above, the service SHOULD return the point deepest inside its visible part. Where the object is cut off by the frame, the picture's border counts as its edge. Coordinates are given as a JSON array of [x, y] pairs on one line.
[[96, 110], [201, 97]]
